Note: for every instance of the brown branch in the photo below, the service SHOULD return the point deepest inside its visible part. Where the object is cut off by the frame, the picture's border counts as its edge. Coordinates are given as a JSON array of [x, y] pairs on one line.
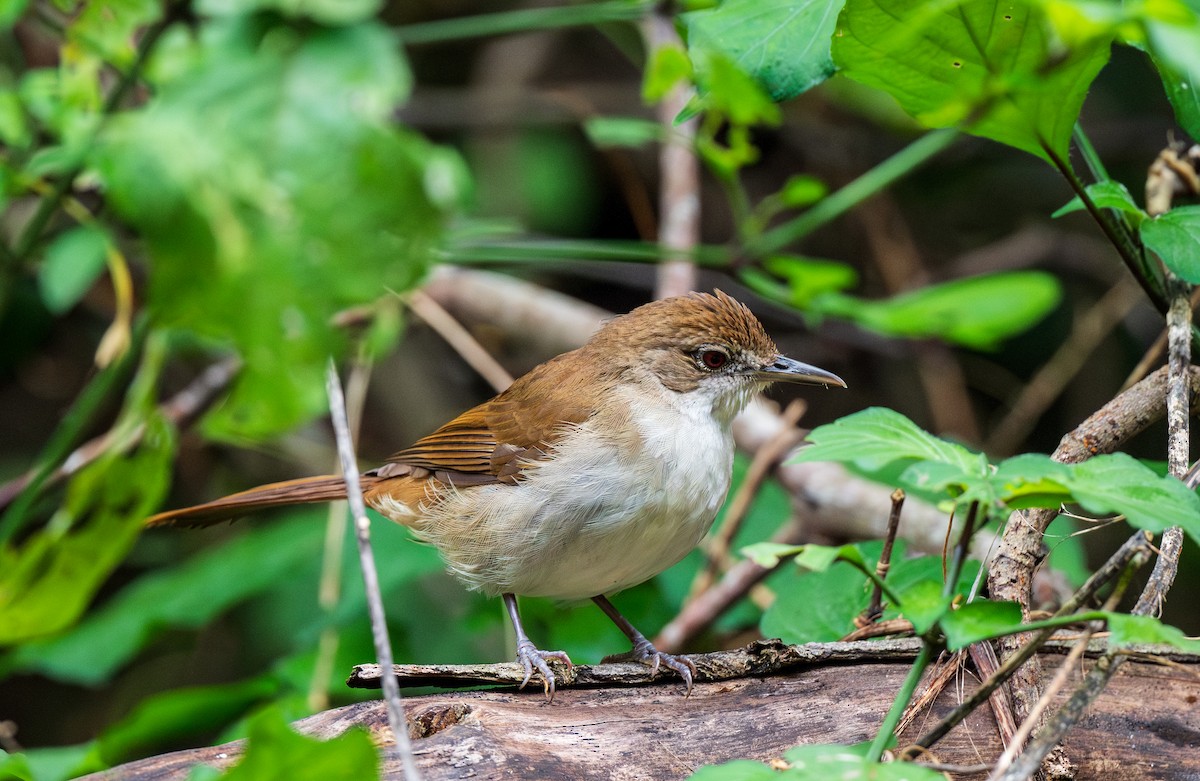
[[678, 171], [760, 658], [1010, 575]]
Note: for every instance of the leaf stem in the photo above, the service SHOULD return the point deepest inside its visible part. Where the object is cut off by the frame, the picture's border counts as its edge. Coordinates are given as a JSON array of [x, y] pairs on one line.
[[522, 20], [68, 433], [1134, 258], [841, 201], [884, 736]]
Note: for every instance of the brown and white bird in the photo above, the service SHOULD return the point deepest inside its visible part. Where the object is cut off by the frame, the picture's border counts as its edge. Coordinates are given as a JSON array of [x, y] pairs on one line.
[[592, 473]]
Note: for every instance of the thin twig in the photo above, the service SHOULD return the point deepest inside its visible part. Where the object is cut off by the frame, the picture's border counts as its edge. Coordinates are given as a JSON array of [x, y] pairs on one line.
[[459, 338], [329, 589], [875, 606], [1179, 353], [362, 527], [1135, 548], [1152, 355], [1072, 711], [678, 170]]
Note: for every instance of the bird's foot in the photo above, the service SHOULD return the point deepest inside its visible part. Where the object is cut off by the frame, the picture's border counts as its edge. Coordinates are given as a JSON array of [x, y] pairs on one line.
[[645, 652], [532, 658]]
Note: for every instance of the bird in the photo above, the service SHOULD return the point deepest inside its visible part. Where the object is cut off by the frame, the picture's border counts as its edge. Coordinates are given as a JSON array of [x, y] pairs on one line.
[[592, 473]]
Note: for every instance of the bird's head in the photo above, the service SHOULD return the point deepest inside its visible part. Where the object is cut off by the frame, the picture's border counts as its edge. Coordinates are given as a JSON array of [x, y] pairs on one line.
[[710, 347]]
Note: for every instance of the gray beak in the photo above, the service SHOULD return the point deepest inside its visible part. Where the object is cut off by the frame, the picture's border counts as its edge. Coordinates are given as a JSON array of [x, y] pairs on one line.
[[784, 369]]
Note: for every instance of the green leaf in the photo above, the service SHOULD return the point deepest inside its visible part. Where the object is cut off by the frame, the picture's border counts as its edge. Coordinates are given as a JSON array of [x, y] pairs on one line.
[[1127, 630], [1175, 237], [330, 12], [737, 770], [15, 767], [922, 603], [802, 190], [1109, 194], [989, 67], [769, 554], [980, 620], [878, 436], [274, 751], [73, 261], [108, 30], [819, 558], [14, 126], [848, 763], [808, 278], [977, 312], [1174, 46], [47, 583], [275, 174], [1120, 483], [821, 606], [187, 596], [622, 131], [783, 44], [270, 556], [668, 66], [1032, 480]]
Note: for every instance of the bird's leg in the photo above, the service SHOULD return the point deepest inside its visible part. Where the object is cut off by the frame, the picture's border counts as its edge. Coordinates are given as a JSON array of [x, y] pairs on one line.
[[529, 655], [643, 650]]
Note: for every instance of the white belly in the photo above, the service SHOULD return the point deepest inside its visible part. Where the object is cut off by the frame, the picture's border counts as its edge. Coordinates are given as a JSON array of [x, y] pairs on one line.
[[591, 520]]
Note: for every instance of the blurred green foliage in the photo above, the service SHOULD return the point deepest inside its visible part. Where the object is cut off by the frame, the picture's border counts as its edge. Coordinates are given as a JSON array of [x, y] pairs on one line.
[[233, 176]]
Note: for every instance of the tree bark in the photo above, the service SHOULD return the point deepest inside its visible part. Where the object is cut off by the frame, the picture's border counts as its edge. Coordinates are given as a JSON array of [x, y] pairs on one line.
[[1144, 726]]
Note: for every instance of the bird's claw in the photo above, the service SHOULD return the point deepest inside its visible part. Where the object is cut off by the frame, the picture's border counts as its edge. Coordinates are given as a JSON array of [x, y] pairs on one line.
[[647, 654], [532, 658]]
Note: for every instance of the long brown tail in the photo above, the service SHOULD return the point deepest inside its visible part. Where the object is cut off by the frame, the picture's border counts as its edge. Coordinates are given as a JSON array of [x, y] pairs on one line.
[[306, 490]]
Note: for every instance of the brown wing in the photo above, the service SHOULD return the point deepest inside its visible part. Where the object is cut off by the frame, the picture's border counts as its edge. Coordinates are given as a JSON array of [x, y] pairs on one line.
[[494, 441]]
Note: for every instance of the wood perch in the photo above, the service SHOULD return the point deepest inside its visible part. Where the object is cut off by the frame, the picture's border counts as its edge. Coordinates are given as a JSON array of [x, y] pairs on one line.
[[836, 692]]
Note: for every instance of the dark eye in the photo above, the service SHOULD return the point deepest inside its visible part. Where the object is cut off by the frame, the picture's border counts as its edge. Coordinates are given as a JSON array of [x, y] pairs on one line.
[[713, 359]]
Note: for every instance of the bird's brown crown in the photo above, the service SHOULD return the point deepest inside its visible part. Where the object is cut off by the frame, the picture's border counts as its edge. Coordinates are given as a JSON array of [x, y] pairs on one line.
[[695, 319]]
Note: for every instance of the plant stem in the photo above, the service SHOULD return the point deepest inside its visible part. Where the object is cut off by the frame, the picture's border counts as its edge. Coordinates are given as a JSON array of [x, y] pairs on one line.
[[522, 20], [362, 527], [1135, 260], [854, 193], [68, 433], [884, 736]]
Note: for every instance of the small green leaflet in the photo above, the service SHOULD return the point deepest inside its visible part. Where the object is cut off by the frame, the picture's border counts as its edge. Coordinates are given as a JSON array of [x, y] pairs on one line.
[[1175, 237], [1107, 195]]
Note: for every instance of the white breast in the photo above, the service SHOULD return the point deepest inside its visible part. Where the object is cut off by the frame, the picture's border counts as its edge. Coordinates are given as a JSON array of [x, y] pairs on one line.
[[593, 519]]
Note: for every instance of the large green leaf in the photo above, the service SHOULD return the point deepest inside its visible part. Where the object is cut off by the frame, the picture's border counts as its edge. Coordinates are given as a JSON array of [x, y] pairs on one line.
[[989, 67], [1175, 237], [977, 312], [47, 583], [821, 606], [273, 190], [878, 436], [1173, 39], [274, 751], [783, 44], [1120, 483]]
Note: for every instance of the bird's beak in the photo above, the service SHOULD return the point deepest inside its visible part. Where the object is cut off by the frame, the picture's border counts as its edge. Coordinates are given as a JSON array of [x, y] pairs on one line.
[[784, 369]]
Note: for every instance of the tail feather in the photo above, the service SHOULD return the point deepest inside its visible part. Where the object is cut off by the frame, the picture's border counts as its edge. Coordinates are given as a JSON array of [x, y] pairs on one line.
[[306, 490]]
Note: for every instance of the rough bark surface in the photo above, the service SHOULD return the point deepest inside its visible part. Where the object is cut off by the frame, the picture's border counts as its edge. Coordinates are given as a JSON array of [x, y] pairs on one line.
[[1145, 726]]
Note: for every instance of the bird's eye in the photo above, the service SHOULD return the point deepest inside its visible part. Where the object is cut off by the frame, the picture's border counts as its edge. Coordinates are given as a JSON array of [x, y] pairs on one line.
[[713, 359]]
